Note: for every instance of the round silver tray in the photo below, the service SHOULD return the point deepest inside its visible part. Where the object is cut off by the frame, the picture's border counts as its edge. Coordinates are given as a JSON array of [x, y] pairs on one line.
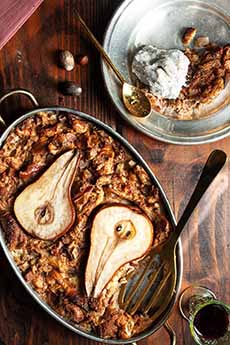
[[160, 23]]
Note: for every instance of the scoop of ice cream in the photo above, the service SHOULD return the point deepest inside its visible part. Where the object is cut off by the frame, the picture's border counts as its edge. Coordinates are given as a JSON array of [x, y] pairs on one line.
[[163, 71]]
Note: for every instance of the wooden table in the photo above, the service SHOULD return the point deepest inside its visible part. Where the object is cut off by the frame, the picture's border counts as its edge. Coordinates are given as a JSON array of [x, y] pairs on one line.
[[29, 61]]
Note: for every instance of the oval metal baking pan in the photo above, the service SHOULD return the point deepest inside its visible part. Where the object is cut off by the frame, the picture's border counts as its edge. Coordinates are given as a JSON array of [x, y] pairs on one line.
[[168, 210], [160, 23]]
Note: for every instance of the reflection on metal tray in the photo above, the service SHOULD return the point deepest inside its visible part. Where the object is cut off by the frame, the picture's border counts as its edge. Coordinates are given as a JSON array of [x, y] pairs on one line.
[[160, 23]]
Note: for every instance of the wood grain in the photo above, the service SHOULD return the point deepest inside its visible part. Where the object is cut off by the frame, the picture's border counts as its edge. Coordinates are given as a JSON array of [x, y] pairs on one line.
[[29, 61]]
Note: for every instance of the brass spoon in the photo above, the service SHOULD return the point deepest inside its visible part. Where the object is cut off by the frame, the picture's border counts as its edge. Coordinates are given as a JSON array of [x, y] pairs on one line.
[[134, 98]]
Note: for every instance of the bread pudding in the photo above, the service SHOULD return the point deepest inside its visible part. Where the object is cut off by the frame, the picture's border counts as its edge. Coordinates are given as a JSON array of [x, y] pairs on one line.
[[107, 175], [181, 89]]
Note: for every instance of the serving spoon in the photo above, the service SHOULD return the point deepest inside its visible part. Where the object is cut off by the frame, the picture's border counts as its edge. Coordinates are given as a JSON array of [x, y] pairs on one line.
[[134, 98]]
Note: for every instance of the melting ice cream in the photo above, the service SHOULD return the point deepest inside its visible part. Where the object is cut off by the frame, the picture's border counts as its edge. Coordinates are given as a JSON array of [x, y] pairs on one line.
[[163, 71]]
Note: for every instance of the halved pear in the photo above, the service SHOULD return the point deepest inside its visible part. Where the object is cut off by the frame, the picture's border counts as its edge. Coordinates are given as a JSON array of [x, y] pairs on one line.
[[119, 234], [44, 208]]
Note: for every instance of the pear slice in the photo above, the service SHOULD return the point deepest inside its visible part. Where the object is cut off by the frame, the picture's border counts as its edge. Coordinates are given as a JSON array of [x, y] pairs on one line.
[[119, 234], [44, 208]]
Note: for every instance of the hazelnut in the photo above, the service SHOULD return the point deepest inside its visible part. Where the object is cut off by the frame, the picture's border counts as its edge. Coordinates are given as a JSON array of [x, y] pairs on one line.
[[66, 60], [82, 60], [70, 88], [202, 41], [189, 35]]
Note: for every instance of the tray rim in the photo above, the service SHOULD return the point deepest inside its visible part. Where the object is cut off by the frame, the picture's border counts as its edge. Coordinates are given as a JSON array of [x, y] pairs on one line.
[[170, 139]]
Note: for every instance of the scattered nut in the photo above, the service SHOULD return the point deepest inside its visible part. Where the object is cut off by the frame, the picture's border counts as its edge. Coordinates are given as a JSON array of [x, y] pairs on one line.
[[82, 60], [70, 88], [188, 36], [67, 60], [202, 41]]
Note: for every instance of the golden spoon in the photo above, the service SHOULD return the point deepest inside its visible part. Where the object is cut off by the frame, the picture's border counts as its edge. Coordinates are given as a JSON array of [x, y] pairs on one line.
[[134, 98]]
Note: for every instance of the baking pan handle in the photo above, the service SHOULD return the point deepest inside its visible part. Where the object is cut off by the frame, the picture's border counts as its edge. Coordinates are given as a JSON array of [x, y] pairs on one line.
[[171, 333], [15, 92]]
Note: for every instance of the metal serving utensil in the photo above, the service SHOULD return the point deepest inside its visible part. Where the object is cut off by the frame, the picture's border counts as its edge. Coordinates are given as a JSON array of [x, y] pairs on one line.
[[134, 98], [148, 292]]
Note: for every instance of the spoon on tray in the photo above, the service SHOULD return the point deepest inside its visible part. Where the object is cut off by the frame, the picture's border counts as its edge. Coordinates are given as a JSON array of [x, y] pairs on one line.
[[134, 98]]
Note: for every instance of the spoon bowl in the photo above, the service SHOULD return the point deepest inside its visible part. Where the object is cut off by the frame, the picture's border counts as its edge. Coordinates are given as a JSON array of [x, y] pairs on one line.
[[135, 100]]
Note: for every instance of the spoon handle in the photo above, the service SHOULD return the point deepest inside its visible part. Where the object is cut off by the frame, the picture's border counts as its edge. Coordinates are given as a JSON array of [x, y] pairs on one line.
[[99, 47], [214, 164]]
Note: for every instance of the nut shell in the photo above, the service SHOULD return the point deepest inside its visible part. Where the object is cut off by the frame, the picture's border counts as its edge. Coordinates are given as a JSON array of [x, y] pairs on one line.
[[66, 60], [82, 60]]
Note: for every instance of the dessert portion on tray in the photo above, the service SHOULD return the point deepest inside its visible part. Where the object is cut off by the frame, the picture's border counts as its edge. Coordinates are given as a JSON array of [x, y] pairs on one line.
[[180, 82], [78, 214]]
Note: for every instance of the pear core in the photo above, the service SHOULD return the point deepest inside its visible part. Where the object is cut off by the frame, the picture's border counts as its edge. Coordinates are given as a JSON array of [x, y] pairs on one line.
[[119, 234]]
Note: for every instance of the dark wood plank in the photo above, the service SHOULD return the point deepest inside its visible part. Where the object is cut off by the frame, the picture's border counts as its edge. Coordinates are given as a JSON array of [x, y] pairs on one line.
[[29, 61]]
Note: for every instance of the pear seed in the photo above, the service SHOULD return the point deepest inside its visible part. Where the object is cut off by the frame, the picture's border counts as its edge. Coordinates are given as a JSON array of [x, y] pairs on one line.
[[125, 230], [119, 228]]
